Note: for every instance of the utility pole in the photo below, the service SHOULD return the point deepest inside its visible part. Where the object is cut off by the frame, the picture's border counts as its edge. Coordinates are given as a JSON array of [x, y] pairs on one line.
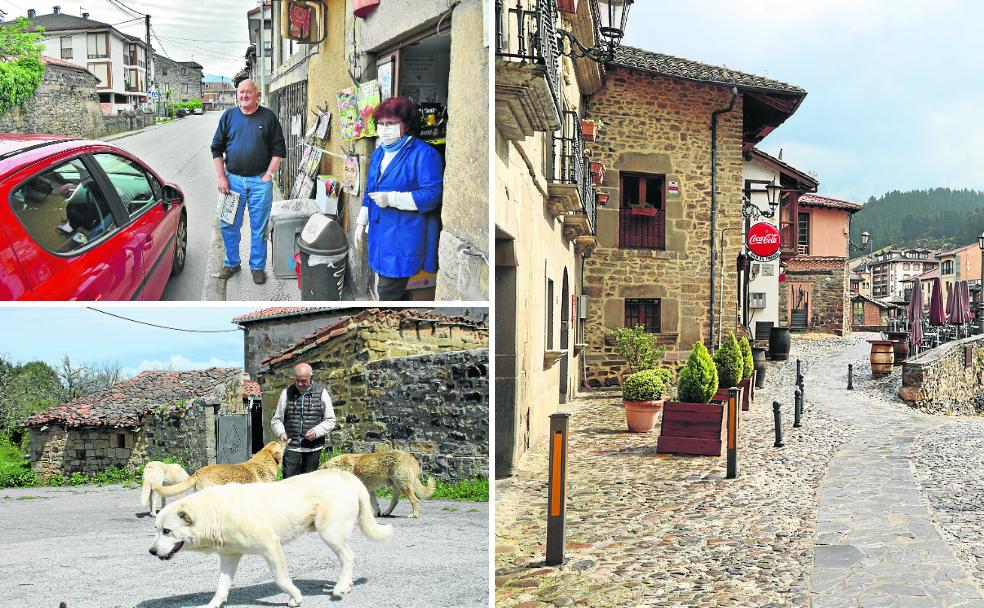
[[149, 56], [259, 52]]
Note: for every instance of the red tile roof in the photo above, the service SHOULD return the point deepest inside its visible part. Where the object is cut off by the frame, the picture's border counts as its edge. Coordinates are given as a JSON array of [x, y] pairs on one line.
[[815, 200], [124, 403], [62, 63], [342, 326], [275, 312]]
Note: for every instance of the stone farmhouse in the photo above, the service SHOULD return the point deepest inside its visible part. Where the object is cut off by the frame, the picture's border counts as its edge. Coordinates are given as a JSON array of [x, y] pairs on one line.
[[150, 416]]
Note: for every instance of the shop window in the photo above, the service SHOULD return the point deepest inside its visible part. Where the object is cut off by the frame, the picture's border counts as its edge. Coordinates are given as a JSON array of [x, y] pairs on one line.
[[642, 214], [643, 312]]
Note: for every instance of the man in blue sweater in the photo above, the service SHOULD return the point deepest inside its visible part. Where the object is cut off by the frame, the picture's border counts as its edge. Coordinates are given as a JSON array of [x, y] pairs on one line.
[[252, 141]]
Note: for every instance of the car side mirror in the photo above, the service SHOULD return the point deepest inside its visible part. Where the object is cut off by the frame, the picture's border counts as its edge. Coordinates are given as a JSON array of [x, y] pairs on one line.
[[172, 194]]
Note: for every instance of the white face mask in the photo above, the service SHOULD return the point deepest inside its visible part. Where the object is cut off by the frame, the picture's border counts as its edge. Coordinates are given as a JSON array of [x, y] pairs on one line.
[[388, 133]]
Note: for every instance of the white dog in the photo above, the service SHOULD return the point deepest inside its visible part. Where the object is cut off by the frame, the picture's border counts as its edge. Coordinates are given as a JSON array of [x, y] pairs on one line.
[[157, 473], [242, 519]]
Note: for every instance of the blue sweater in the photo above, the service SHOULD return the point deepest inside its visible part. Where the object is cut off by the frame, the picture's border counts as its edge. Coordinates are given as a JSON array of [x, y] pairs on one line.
[[248, 142]]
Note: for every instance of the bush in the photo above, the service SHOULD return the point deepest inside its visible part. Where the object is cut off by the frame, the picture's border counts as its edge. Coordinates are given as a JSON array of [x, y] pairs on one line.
[[637, 347], [647, 385], [746, 356], [729, 362], [698, 377]]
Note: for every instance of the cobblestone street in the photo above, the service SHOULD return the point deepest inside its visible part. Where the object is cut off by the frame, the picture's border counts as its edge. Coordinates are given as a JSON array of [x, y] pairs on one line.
[[838, 517]]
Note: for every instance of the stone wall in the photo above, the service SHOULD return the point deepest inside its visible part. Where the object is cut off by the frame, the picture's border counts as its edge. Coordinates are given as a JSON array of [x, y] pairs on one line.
[[830, 310], [186, 434], [127, 121], [60, 451], [172, 75], [65, 103], [939, 381], [434, 406], [661, 126]]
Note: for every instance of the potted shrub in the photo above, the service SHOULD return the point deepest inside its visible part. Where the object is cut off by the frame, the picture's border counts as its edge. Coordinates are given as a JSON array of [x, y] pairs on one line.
[[642, 396], [638, 347], [590, 128], [747, 383], [730, 366], [692, 425]]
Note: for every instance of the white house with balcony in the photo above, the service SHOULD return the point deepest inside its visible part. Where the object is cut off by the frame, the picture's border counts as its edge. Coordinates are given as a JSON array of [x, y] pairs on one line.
[[119, 60]]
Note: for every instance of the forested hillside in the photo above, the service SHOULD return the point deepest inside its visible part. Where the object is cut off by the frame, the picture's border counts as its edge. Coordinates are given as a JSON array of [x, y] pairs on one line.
[[940, 217]]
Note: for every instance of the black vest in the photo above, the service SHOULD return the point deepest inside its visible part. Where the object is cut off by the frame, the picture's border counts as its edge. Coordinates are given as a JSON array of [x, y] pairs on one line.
[[302, 413]]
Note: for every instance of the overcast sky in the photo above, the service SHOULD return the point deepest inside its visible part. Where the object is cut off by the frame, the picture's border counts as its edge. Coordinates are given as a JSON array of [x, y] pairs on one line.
[[47, 333], [213, 33], [894, 89]]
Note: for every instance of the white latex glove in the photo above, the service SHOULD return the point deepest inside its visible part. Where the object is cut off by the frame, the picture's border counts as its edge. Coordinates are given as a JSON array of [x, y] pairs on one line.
[[383, 199], [361, 225]]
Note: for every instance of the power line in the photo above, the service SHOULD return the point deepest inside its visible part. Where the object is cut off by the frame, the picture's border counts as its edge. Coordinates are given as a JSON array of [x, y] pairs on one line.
[[194, 331], [200, 40]]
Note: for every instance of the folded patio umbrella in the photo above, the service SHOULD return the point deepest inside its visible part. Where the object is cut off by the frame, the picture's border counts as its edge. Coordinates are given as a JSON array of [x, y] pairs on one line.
[[915, 314], [949, 299], [937, 316], [966, 302], [955, 306]]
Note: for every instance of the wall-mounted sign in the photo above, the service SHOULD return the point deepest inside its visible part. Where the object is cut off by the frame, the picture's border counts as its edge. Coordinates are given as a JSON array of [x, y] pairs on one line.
[[673, 188], [362, 8], [302, 20], [762, 242]]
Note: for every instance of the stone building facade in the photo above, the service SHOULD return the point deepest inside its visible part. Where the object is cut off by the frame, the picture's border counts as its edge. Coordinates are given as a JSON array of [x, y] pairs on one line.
[[380, 366], [653, 262], [150, 416], [182, 78]]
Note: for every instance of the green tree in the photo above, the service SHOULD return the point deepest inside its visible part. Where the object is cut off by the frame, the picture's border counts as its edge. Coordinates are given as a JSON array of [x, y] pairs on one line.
[[637, 347], [21, 69], [698, 377]]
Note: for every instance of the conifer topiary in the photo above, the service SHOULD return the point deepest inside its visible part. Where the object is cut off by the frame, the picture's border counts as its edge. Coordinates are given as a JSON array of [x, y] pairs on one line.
[[698, 377], [729, 362], [746, 354]]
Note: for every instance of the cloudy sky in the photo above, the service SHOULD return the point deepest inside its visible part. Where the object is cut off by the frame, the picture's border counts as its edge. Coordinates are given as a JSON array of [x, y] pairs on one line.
[[894, 89], [34, 333], [213, 33]]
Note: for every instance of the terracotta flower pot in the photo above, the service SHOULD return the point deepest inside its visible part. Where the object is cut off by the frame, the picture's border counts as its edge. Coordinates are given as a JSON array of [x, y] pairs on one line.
[[589, 129], [641, 415], [597, 172], [602, 199]]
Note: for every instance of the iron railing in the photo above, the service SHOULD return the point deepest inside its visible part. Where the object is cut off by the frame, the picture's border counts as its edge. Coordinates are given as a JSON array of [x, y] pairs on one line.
[[569, 166], [642, 228], [527, 32], [590, 200]]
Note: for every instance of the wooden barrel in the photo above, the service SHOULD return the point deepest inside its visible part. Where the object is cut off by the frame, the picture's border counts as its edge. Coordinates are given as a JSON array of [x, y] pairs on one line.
[[900, 346], [882, 357], [758, 358], [779, 343]]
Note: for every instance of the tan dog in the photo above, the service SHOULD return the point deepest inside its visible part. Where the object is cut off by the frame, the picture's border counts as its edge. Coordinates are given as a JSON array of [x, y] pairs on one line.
[[258, 518], [396, 468], [157, 473], [263, 466]]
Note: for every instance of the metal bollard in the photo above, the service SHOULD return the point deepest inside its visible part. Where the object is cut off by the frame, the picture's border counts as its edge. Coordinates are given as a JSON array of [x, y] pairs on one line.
[[850, 376], [733, 412], [799, 375], [778, 419], [797, 408], [557, 489]]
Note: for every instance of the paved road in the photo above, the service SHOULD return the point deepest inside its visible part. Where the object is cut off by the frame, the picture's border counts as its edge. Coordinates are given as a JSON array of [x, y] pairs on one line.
[[180, 152], [876, 544], [88, 546]]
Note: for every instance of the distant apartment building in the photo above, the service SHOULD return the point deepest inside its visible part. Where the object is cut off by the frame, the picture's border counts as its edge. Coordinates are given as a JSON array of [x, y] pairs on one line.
[[177, 80], [117, 59], [961, 264], [218, 95], [890, 267]]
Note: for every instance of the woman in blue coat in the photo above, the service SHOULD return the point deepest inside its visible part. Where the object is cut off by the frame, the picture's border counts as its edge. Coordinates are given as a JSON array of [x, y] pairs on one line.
[[401, 210]]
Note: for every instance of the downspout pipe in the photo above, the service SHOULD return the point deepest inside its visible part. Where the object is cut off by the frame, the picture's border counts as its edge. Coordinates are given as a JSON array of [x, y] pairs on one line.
[[714, 117]]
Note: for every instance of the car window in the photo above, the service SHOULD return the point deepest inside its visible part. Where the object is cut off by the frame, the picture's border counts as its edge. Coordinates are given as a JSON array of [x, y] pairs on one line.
[[130, 181], [63, 209]]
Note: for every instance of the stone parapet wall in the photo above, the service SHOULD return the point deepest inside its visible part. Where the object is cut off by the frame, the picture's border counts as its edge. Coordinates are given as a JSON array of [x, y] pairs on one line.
[[64, 104], [436, 407], [940, 381], [59, 451], [127, 121], [661, 126]]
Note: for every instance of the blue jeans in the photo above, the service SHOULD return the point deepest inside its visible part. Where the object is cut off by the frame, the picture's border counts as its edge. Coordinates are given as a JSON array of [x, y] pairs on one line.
[[257, 196]]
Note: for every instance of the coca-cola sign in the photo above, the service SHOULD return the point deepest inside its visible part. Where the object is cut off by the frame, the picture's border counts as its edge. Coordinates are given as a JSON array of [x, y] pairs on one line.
[[762, 242]]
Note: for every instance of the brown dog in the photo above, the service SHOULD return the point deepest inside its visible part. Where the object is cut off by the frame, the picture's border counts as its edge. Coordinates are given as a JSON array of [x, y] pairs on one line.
[[263, 466], [396, 468]]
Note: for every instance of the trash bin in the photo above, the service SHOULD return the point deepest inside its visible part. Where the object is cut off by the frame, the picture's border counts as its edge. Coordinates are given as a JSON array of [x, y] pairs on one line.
[[324, 250]]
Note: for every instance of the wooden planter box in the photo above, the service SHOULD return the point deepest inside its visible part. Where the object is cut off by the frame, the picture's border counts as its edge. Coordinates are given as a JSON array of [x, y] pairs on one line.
[[747, 387], [691, 428], [721, 396]]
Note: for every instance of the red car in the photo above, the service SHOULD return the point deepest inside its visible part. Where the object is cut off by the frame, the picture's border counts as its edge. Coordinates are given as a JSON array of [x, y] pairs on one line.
[[85, 220]]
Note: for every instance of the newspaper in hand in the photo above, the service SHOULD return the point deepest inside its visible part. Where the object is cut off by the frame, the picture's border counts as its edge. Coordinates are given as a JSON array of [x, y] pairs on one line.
[[227, 207]]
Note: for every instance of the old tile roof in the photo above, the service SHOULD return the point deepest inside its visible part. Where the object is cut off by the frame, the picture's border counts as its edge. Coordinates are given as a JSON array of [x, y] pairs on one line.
[[64, 64], [686, 69], [929, 274], [276, 312], [815, 200], [815, 262], [61, 22], [878, 303], [342, 326], [950, 252], [784, 167], [124, 403]]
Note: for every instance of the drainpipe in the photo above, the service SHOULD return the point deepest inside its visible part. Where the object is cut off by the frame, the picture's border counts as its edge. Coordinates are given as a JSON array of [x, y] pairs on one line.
[[714, 117]]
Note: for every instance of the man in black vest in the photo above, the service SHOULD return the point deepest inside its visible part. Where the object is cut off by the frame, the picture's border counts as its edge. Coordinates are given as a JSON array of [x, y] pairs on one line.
[[303, 418]]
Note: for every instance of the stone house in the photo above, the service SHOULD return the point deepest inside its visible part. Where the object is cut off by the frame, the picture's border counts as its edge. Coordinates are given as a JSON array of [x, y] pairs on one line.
[[545, 218], [672, 150], [816, 292], [117, 59], [412, 379], [177, 81], [432, 51], [150, 416]]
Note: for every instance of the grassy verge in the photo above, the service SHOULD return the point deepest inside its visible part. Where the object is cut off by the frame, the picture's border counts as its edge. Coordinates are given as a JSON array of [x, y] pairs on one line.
[[466, 490], [14, 473]]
